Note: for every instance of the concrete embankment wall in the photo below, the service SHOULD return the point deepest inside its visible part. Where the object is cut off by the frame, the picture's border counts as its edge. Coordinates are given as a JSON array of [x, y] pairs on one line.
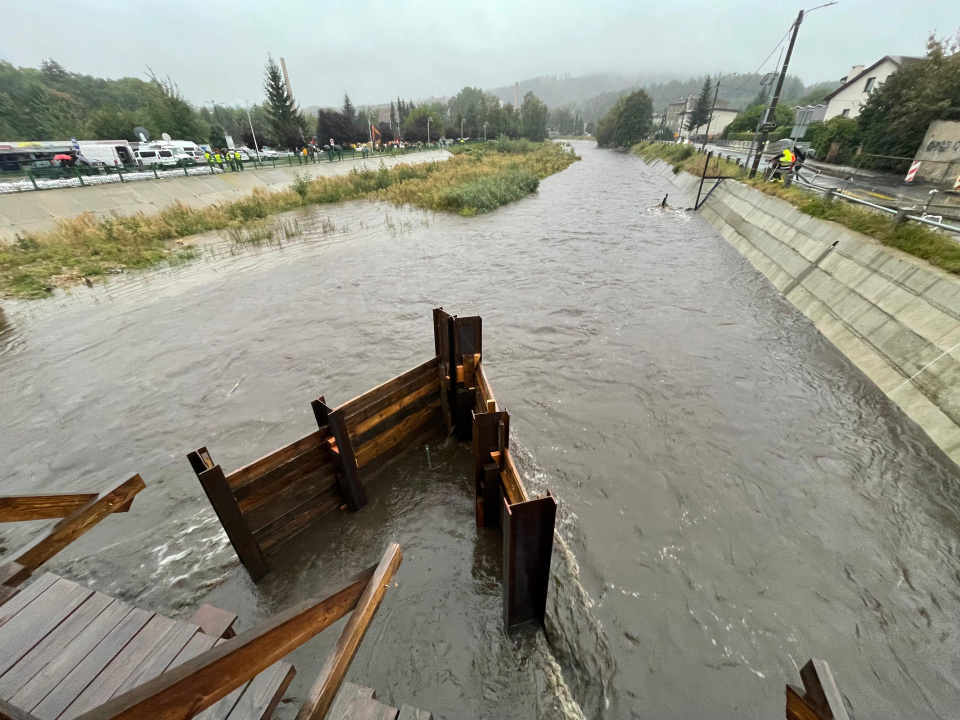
[[896, 317], [39, 210]]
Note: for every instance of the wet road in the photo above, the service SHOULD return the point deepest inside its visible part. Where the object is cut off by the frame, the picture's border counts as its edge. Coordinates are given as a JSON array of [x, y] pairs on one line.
[[736, 497]]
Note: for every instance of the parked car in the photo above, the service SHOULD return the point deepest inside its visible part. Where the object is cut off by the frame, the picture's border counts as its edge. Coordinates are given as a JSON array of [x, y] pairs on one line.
[[147, 156], [269, 153]]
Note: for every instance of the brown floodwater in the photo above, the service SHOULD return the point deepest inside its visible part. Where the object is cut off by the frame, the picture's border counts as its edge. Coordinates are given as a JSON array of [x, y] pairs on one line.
[[736, 496]]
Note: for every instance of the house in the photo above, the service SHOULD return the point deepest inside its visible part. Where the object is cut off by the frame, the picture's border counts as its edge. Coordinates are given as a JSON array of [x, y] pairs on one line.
[[677, 113], [859, 84]]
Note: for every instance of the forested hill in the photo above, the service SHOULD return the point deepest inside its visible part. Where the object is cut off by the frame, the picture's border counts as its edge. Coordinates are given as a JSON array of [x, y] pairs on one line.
[[50, 103]]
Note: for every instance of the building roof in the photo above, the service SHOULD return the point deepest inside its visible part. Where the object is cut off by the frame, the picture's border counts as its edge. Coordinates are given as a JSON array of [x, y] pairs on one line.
[[897, 60]]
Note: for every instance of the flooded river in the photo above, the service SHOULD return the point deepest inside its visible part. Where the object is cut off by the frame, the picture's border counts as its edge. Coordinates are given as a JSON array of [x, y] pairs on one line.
[[736, 497]]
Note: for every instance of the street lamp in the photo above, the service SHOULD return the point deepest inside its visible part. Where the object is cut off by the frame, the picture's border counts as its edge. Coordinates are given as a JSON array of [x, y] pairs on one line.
[[461, 130], [428, 129], [256, 147], [484, 130]]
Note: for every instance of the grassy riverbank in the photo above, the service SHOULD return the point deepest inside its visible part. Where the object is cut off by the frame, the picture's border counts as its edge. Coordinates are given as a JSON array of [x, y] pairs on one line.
[[917, 240], [477, 179]]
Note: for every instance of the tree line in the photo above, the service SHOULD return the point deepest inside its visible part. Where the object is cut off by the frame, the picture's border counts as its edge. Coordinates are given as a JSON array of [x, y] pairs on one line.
[[51, 103]]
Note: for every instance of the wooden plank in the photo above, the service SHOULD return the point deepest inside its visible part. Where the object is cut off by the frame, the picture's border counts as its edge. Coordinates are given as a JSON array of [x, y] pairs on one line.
[[10, 712], [196, 684], [325, 687], [167, 649], [214, 621], [224, 706], [77, 523], [86, 668], [798, 709], [113, 675], [27, 628], [383, 442], [404, 397], [21, 508], [363, 414], [527, 546], [289, 498], [401, 412], [353, 407], [283, 528], [316, 460], [469, 337], [432, 428], [358, 708], [7, 593], [412, 713], [512, 484], [344, 699], [439, 322], [52, 645], [70, 655], [27, 596], [258, 467], [198, 644], [241, 537], [485, 389], [264, 693]]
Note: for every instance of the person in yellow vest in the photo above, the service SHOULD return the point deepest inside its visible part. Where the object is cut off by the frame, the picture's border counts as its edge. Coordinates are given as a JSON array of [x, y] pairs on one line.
[[238, 159], [207, 156], [218, 160], [786, 163]]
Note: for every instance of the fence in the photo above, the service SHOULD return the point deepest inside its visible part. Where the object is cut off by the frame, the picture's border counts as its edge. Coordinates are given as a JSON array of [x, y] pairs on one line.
[[265, 503], [54, 178]]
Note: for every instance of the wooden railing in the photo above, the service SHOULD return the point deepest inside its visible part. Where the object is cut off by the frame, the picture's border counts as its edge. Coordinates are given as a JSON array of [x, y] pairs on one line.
[[79, 513]]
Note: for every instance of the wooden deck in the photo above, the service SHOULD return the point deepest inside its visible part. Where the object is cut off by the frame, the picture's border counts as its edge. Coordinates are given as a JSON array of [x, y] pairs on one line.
[[65, 649]]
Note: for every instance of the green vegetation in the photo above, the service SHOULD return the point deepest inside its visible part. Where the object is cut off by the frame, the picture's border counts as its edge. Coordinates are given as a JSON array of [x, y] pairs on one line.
[[896, 117], [840, 130], [703, 108], [629, 121], [477, 179], [747, 121], [918, 240]]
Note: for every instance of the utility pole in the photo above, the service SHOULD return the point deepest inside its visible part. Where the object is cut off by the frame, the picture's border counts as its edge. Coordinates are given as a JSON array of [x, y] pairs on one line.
[[286, 78], [461, 129], [256, 147], [710, 119], [772, 112]]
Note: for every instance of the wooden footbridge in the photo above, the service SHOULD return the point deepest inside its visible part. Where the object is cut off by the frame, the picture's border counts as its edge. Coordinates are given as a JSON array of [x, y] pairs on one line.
[[68, 652]]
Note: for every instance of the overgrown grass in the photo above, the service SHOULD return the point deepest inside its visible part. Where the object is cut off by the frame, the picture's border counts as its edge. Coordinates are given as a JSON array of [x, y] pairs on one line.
[[479, 178], [918, 240]]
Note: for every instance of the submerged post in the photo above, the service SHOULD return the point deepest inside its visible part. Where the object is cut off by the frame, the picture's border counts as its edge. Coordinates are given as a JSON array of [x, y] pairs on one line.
[[348, 477], [703, 177], [215, 485], [527, 547]]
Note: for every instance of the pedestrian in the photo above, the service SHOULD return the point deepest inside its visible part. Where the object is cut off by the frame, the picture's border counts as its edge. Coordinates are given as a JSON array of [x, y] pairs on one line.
[[239, 159], [218, 160]]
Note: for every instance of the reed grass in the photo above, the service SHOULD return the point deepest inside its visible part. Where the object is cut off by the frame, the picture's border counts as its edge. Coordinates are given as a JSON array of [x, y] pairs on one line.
[[477, 179]]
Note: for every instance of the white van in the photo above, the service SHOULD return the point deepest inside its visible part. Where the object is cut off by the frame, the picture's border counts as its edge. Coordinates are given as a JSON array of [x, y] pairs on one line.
[[155, 155], [186, 150], [113, 153]]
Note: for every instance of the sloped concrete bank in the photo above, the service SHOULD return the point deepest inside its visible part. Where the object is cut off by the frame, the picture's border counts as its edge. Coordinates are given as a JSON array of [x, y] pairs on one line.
[[39, 210], [896, 317]]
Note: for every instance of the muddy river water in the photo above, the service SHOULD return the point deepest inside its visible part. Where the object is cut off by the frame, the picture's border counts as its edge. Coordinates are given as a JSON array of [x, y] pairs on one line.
[[736, 497]]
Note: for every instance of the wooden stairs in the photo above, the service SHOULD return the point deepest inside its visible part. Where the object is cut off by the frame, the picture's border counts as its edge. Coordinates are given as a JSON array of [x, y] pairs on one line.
[[355, 702]]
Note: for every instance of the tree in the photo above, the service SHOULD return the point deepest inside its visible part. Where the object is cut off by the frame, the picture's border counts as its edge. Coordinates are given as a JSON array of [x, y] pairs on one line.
[[335, 125], [393, 119], [170, 112], [111, 123], [843, 131], [703, 108], [629, 121], [748, 120], [348, 110], [415, 126], [282, 112], [533, 116], [896, 117]]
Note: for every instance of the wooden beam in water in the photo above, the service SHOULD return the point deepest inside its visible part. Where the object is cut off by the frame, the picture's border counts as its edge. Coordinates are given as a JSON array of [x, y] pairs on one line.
[[348, 477], [820, 698], [231, 518], [325, 687]]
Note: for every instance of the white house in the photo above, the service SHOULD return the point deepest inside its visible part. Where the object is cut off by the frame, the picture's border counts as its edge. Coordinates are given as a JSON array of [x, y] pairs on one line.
[[858, 85]]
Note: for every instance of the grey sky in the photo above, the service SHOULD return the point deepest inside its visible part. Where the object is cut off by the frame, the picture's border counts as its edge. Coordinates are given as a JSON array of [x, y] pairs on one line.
[[215, 49]]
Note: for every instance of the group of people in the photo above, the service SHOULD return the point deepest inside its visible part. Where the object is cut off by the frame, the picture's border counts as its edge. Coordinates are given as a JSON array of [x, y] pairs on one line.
[[223, 156]]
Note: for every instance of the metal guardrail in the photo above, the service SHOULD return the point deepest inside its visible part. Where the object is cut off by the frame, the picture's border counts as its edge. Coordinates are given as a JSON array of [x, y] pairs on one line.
[[57, 178]]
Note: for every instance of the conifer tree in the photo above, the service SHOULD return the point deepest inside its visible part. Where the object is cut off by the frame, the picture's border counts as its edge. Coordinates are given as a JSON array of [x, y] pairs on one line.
[[282, 112]]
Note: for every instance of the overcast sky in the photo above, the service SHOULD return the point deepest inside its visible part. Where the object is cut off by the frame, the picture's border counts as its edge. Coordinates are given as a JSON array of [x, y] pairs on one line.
[[215, 49]]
